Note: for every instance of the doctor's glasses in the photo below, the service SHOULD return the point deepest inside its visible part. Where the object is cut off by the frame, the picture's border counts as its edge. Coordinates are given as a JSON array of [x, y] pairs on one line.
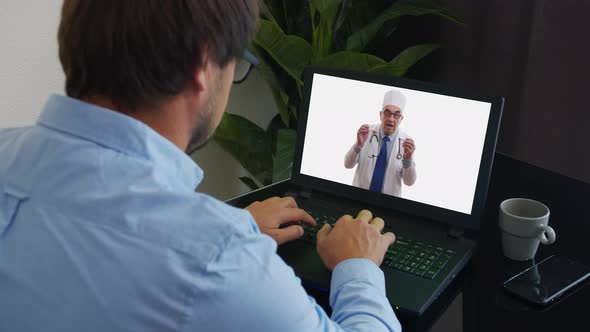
[[387, 114]]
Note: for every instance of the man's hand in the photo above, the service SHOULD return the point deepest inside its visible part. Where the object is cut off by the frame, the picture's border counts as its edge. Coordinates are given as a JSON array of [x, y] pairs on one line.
[[270, 214], [409, 148], [361, 135], [353, 238]]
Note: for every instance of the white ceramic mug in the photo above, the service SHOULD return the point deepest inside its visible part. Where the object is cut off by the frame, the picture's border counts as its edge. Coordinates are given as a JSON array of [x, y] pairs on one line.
[[523, 223]]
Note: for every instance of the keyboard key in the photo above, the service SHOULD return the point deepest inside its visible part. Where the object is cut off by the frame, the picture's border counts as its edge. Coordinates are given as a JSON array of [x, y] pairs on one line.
[[427, 262], [430, 274], [417, 259], [406, 268], [401, 244], [440, 263], [418, 271]]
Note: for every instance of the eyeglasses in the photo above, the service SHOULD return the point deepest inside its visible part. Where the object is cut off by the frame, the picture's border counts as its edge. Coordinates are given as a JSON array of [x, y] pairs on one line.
[[244, 66], [387, 114]]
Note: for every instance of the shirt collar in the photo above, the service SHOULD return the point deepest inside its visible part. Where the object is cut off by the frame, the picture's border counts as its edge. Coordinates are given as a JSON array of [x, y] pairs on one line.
[[122, 133], [382, 134]]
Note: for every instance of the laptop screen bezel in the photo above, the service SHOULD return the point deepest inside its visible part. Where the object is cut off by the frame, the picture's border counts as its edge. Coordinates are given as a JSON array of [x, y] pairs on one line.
[[453, 218]]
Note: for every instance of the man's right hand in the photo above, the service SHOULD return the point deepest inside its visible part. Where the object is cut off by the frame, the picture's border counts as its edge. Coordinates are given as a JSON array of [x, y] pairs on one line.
[[353, 238], [361, 135]]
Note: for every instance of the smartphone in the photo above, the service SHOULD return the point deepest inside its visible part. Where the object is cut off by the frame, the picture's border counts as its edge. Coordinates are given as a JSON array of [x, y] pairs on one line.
[[547, 280]]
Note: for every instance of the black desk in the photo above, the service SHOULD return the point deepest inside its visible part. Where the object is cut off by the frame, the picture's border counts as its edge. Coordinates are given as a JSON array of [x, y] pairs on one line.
[[485, 305]]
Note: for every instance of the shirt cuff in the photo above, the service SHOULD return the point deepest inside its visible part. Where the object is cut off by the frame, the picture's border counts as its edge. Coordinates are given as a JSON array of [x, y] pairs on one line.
[[357, 269], [407, 163]]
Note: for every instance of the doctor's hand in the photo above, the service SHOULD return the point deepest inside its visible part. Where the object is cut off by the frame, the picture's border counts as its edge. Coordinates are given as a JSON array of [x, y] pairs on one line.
[[361, 135], [275, 212], [353, 238], [409, 148]]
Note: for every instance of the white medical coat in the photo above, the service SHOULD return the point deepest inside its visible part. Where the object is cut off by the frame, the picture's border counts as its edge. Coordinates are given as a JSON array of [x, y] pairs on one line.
[[394, 173]]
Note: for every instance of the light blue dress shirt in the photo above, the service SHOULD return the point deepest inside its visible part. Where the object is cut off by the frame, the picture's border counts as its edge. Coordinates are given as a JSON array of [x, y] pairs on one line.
[[101, 230]]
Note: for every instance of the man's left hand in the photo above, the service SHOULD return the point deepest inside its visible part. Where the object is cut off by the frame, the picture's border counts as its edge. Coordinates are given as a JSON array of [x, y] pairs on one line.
[[409, 148], [270, 214]]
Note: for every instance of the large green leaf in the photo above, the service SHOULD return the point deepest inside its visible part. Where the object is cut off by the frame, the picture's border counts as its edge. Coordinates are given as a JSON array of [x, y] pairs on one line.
[[248, 144], [278, 91], [272, 131], [249, 182], [345, 8], [360, 39], [323, 16], [291, 53], [283, 159], [352, 61], [273, 10], [406, 59]]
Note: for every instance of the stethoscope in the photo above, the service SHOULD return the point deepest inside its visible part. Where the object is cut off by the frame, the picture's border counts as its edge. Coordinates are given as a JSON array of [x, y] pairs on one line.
[[373, 155]]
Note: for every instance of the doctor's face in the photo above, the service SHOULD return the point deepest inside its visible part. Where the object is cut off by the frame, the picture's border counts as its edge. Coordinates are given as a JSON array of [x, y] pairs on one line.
[[391, 117]]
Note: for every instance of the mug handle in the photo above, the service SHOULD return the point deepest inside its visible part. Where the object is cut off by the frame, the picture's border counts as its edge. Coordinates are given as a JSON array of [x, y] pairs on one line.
[[547, 236]]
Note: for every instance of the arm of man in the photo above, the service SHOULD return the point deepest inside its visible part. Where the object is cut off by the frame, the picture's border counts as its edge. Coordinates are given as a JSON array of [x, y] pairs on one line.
[[409, 173], [352, 156], [252, 289], [409, 167]]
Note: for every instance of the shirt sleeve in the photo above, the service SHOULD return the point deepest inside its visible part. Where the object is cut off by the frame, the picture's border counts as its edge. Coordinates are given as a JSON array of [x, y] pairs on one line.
[[250, 288], [352, 156]]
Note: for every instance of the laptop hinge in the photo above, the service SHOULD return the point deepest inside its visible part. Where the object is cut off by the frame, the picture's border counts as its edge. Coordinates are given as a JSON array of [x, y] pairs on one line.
[[456, 232], [302, 194], [305, 193]]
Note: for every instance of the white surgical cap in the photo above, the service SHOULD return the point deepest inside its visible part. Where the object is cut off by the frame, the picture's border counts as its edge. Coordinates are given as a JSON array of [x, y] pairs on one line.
[[394, 98]]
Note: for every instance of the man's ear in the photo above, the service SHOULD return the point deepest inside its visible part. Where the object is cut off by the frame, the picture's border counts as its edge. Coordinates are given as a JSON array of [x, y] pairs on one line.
[[202, 75]]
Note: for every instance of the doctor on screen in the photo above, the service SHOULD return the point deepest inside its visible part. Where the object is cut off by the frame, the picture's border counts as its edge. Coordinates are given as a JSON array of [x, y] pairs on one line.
[[383, 151]]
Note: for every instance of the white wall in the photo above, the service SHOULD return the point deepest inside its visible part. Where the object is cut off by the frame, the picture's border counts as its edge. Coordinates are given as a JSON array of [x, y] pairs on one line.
[[30, 71]]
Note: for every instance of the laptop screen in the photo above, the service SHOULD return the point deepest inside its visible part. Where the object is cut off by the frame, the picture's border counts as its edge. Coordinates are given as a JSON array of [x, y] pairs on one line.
[[419, 146]]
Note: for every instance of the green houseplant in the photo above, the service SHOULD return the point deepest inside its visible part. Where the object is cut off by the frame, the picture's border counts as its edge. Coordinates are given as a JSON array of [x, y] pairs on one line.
[[293, 34]]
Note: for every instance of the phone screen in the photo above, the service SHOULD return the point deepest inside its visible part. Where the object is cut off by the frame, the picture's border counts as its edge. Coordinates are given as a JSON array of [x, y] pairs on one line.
[[548, 279]]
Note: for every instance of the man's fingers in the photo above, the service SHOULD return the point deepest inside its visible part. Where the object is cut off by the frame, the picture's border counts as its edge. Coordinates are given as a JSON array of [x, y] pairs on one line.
[[378, 223], [287, 234], [288, 202], [346, 217], [389, 238], [365, 216], [323, 232], [289, 215]]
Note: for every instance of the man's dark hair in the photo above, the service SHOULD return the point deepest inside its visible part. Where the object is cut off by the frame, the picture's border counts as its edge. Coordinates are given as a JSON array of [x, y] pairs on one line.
[[139, 52]]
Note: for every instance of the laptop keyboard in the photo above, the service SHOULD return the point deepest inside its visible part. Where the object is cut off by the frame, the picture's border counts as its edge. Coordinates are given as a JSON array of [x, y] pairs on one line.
[[407, 255]]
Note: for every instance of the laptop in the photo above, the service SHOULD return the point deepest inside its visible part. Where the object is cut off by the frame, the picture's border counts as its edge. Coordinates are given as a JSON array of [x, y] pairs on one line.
[[435, 219]]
